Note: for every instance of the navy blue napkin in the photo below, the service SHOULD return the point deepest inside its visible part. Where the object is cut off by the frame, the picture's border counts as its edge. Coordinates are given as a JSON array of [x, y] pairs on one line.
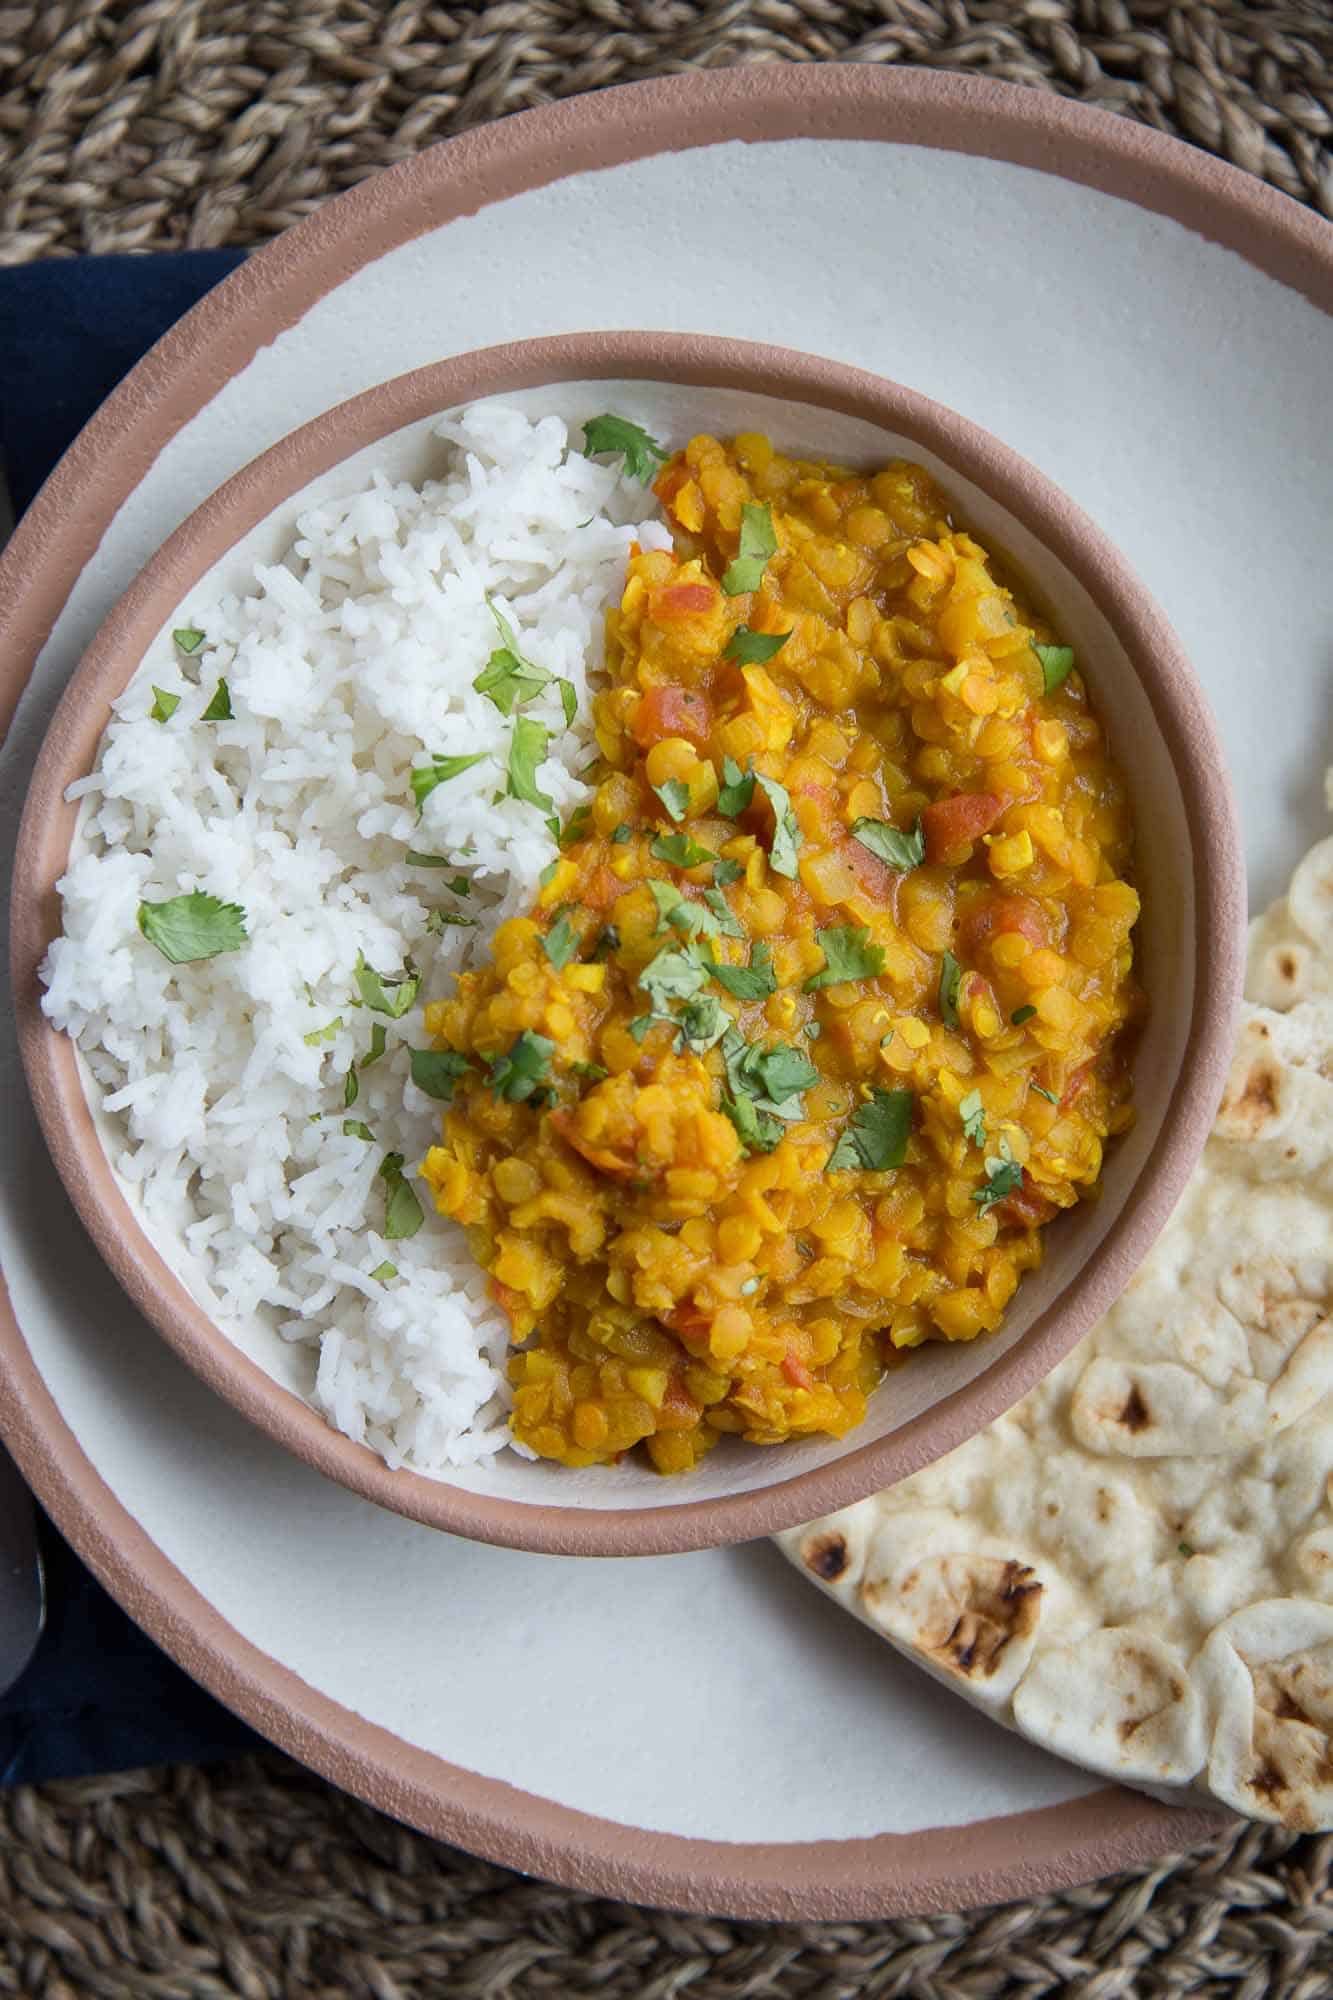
[[98, 1695]]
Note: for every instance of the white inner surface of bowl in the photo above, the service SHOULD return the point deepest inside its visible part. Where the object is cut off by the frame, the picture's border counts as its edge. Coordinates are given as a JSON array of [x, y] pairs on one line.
[[674, 413]]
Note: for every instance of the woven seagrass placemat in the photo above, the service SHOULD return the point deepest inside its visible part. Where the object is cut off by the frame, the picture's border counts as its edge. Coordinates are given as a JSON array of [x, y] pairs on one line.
[[160, 124]]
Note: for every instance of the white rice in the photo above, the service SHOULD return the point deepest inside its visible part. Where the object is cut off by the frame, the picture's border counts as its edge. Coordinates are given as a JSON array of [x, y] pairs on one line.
[[349, 664]]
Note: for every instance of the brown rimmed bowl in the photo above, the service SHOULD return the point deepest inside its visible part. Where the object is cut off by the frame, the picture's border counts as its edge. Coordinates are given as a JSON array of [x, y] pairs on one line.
[[1190, 937]]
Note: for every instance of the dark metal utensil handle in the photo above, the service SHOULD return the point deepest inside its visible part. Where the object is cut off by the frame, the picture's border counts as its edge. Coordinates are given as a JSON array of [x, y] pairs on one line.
[[22, 1587]]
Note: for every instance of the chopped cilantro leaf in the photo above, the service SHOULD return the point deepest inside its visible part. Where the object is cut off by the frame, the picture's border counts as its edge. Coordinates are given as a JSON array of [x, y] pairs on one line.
[[569, 701], [875, 1136], [416, 859], [186, 928], [757, 1130], [1057, 664], [520, 1074], [460, 885], [621, 835], [383, 1272], [848, 954], [402, 1210], [611, 434], [703, 1021], [1021, 1014], [757, 543], [727, 871], [675, 796], [561, 941], [737, 789], [386, 996], [680, 850], [378, 1044], [356, 1128], [727, 922], [1003, 1176], [813, 1030], [973, 1115], [440, 920], [325, 1034], [188, 638], [547, 875], [1049, 1095], [436, 1071], [751, 649], [164, 706], [589, 1072], [219, 708], [672, 975], [607, 942], [754, 981], [508, 680], [576, 825], [425, 777], [886, 843], [351, 1089], [527, 750], [786, 833], [951, 980]]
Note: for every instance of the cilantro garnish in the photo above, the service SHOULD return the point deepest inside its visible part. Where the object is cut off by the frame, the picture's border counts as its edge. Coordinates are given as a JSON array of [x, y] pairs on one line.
[[188, 638], [675, 796], [589, 1072], [727, 871], [576, 825], [386, 996], [439, 920], [325, 1034], [519, 1075], [607, 942], [561, 941], [737, 789], [164, 706], [679, 912], [951, 980], [1003, 1176], [758, 1131], [527, 750], [899, 850], [425, 777], [680, 850], [416, 859], [1049, 1095], [751, 649], [672, 975], [356, 1128], [436, 1071], [754, 981], [875, 1136], [703, 1021], [1057, 664], [621, 835], [219, 708], [1021, 1014], [848, 954], [757, 543], [383, 1272], [186, 928], [786, 833], [770, 1079], [508, 678], [727, 923], [351, 1089], [378, 1043], [611, 434], [569, 700], [402, 1210], [973, 1115]]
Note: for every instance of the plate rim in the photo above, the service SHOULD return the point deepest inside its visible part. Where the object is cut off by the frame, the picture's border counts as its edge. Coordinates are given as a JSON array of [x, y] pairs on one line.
[[1101, 150]]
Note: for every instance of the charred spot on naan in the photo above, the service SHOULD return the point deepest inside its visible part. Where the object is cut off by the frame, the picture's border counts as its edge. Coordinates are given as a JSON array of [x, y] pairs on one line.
[[974, 1610], [826, 1556]]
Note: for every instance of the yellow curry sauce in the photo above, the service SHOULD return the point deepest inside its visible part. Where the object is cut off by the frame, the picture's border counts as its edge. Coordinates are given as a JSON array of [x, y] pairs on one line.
[[815, 1022]]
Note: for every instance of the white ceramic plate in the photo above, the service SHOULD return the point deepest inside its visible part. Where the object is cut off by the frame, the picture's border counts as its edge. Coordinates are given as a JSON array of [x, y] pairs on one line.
[[695, 1729]]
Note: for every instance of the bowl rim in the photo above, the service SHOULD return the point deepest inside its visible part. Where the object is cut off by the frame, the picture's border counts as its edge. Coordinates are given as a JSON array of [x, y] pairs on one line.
[[697, 360]]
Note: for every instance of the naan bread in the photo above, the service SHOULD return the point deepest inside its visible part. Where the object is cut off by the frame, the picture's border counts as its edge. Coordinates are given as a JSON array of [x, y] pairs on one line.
[[1134, 1566]]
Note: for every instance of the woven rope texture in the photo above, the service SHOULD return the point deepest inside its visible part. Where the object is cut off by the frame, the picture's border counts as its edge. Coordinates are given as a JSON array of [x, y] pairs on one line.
[[199, 122]]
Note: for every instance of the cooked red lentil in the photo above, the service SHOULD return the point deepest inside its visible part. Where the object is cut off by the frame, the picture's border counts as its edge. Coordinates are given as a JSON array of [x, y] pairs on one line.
[[817, 1020]]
